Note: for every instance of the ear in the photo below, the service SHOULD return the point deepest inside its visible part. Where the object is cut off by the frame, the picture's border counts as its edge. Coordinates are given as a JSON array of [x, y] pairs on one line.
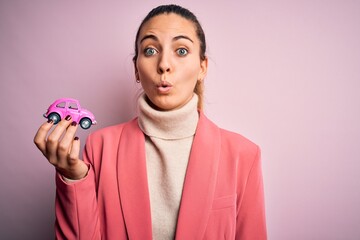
[[203, 69], [136, 71]]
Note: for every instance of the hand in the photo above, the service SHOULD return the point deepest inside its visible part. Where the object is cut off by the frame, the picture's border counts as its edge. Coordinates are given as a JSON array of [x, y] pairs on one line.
[[62, 148]]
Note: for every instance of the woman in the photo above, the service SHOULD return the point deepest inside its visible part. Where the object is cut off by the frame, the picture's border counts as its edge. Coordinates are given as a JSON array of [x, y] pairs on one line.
[[170, 172]]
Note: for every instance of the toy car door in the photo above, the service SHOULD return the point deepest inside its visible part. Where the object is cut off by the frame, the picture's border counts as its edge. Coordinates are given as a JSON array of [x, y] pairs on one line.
[[74, 110]]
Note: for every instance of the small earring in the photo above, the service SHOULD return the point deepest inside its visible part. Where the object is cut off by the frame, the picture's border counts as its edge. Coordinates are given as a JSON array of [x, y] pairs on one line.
[[137, 77]]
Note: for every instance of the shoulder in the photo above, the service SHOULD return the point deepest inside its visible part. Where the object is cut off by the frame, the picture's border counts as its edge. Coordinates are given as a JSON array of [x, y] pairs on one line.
[[239, 150], [110, 133], [237, 142], [234, 143]]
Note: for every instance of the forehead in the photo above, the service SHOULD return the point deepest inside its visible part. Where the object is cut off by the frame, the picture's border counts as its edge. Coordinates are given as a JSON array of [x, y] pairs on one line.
[[171, 23]]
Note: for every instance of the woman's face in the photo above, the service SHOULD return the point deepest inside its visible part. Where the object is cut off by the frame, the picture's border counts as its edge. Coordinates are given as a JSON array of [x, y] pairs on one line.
[[168, 63]]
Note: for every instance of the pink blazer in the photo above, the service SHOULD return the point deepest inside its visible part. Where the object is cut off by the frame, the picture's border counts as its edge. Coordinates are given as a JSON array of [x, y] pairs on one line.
[[222, 196]]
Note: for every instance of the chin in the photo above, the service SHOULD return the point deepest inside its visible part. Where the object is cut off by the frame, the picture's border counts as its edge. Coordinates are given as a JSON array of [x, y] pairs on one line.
[[165, 106], [166, 102]]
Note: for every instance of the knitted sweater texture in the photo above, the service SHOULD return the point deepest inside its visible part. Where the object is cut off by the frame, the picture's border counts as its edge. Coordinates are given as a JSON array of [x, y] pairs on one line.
[[168, 139]]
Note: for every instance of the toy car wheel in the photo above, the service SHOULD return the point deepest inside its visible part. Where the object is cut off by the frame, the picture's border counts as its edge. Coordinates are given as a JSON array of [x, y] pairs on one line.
[[55, 117], [85, 123]]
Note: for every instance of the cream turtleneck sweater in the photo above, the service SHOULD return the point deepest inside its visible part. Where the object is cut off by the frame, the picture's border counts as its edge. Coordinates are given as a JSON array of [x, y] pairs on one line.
[[168, 139]]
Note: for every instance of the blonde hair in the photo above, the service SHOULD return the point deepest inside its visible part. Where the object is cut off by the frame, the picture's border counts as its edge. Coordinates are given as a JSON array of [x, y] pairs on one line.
[[199, 90]]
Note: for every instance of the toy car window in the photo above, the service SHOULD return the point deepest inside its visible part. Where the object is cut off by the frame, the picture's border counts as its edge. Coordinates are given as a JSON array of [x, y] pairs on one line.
[[61, 105], [73, 105]]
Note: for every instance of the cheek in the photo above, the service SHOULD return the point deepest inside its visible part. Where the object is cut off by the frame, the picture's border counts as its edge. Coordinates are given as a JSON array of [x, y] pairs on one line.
[[144, 66], [192, 71]]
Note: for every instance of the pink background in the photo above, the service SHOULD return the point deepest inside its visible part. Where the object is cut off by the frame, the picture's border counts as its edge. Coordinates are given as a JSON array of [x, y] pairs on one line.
[[286, 74]]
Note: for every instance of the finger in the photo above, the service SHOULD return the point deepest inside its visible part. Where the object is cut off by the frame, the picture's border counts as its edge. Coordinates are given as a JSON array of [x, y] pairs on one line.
[[54, 137], [65, 143], [40, 136], [75, 168], [75, 151]]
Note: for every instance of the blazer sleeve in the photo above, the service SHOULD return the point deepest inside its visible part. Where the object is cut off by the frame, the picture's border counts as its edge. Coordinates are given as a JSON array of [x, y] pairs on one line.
[[76, 207], [250, 222]]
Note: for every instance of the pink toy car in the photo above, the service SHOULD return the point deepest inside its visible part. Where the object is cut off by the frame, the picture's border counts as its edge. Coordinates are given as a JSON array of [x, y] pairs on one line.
[[68, 106]]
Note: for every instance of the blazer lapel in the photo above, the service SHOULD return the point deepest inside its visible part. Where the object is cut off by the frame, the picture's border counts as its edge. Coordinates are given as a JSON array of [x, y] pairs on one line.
[[133, 183], [200, 181]]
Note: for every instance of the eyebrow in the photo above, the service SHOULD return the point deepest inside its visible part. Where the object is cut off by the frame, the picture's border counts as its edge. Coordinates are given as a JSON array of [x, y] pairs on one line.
[[182, 37], [151, 36]]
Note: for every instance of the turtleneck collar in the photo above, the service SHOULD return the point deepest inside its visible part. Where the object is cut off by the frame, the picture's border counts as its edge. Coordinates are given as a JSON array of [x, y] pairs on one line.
[[175, 124]]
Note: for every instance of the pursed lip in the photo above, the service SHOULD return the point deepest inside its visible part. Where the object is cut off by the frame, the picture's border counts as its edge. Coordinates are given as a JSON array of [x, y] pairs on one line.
[[164, 86]]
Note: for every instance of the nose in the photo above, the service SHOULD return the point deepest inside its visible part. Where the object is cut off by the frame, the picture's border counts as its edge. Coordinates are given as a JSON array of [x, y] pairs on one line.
[[164, 64]]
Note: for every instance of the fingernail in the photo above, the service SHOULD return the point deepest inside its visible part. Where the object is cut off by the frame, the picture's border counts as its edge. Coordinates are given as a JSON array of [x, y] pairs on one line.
[[50, 121], [68, 117], [76, 138], [73, 123]]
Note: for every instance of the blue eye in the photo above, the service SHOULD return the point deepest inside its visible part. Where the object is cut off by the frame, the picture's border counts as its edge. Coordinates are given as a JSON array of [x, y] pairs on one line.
[[182, 51], [150, 51]]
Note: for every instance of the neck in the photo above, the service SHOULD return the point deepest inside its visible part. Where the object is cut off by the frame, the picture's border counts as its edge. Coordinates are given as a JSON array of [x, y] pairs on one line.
[[174, 124]]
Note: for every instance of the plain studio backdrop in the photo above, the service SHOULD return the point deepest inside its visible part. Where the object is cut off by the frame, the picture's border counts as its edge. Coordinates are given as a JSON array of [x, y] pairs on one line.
[[285, 74]]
